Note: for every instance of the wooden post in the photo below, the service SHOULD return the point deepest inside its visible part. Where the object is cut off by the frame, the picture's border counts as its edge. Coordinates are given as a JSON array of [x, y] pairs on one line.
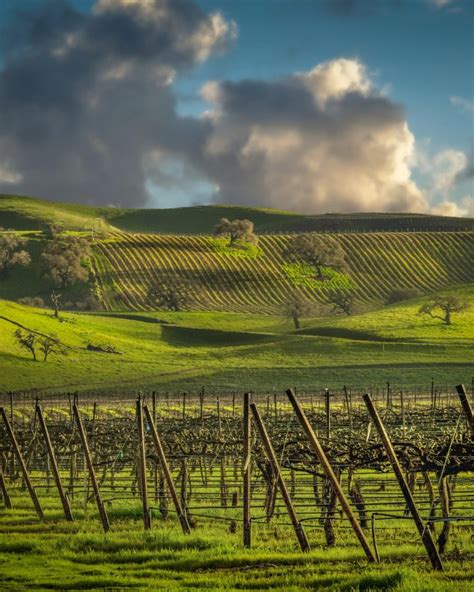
[[247, 451], [166, 470], [87, 456], [219, 422], [3, 489], [466, 405], [26, 477], [54, 465], [142, 467], [402, 403], [184, 406], [327, 395], [318, 449], [298, 527], [423, 530]]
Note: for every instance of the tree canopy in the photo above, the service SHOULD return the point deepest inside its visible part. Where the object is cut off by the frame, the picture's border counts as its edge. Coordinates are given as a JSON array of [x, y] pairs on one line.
[[11, 251], [295, 307], [65, 260], [446, 305], [237, 230], [172, 293], [316, 250]]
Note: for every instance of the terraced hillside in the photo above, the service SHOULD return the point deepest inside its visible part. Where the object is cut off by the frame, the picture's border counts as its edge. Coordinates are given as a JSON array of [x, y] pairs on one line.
[[258, 281]]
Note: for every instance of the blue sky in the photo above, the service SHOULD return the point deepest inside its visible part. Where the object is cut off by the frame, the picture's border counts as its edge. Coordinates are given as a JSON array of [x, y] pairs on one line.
[[419, 53]]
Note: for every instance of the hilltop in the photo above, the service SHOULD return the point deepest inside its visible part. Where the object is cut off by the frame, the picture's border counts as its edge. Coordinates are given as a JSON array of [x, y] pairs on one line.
[[26, 213]]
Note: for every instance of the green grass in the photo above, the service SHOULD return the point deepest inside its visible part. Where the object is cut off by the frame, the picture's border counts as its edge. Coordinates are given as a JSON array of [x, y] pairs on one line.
[[55, 555], [232, 351]]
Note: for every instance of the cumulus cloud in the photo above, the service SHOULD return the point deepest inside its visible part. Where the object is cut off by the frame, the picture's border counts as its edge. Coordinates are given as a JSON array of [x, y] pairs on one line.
[[86, 98], [449, 208], [316, 141]]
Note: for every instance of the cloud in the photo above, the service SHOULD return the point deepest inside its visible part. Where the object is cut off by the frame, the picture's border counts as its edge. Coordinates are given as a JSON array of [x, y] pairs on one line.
[[449, 208], [463, 104], [86, 98], [316, 141]]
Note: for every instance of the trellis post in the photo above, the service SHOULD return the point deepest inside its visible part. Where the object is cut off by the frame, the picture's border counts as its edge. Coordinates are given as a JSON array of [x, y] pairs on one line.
[[24, 470], [328, 470], [3, 489], [88, 458], [247, 451], [270, 452], [54, 465], [423, 530], [466, 405], [142, 468], [166, 470]]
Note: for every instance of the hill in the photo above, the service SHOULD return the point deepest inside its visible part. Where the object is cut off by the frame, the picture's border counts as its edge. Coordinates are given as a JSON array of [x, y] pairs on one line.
[[236, 352], [26, 213]]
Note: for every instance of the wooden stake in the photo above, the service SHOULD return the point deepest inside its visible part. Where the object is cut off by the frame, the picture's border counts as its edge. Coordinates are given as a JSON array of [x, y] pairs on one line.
[[3, 489], [423, 530], [466, 405], [247, 450], [298, 527], [142, 467], [26, 477], [54, 465], [166, 470], [318, 449], [328, 414], [87, 456]]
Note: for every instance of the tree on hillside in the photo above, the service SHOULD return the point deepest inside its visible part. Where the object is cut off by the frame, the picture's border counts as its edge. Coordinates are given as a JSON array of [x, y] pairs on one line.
[[50, 344], [237, 230], [11, 251], [295, 307], [65, 260], [342, 300], [172, 293], [446, 305], [56, 298], [47, 344], [318, 251], [27, 341]]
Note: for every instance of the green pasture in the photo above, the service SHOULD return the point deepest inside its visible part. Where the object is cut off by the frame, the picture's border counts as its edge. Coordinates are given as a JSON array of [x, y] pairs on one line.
[[172, 351]]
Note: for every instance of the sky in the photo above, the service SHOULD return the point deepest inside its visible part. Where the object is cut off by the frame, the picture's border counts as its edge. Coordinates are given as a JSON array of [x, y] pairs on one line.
[[308, 105]]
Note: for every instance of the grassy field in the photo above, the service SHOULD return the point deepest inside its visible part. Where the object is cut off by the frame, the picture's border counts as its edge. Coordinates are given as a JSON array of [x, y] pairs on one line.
[[236, 351], [55, 555]]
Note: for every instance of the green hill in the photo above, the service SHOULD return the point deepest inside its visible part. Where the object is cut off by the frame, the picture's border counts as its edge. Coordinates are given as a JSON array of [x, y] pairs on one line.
[[232, 351], [26, 213]]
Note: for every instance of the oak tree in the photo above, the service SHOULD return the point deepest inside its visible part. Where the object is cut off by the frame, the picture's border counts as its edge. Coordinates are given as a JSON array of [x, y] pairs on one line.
[[318, 251], [237, 230]]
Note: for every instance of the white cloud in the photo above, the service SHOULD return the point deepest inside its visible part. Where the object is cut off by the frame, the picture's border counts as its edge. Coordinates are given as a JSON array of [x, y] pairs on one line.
[[449, 208], [8, 175], [317, 141]]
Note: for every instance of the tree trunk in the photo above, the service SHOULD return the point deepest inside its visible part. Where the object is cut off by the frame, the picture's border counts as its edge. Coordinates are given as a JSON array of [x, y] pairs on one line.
[[296, 321]]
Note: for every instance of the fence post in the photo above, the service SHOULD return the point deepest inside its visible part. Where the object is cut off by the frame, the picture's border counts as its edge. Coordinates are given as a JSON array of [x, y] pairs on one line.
[[54, 465], [327, 395], [298, 527], [87, 455], [3, 489], [317, 448], [166, 470], [142, 467], [26, 477], [423, 530], [466, 405], [247, 451]]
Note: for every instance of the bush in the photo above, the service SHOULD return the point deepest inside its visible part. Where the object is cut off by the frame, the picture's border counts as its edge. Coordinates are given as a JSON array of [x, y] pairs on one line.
[[399, 294], [35, 301]]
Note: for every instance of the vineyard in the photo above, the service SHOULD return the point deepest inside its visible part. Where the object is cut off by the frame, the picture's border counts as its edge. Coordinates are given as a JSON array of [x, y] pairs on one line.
[[227, 280], [321, 469]]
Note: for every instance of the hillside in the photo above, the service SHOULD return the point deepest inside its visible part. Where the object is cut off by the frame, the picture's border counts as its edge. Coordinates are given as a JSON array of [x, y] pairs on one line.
[[25, 213], [232, 351], [258, 281]]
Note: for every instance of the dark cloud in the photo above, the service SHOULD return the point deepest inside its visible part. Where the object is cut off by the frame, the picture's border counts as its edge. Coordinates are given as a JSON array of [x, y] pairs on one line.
[[86, 100]]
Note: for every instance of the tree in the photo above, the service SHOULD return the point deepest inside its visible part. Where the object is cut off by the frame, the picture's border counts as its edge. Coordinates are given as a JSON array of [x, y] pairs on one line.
[[342, 300], [446, 304], [11, 253], [318, 251], [65, 260], [295, 307], [172, 294], [27, 340], [56, 301], [400, 294], [49, 345], [237, 230]]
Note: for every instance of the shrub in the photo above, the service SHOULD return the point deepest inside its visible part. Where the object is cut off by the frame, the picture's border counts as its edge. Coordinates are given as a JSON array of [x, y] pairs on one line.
[[399, 294], [35, 301]]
